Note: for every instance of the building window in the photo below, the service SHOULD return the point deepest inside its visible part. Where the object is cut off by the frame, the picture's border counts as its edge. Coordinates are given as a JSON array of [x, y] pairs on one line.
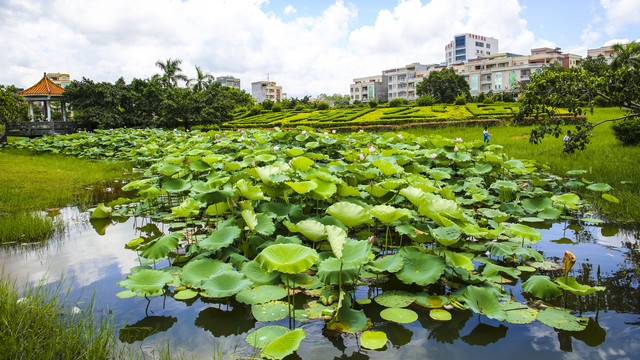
[[460, 51], [391, 87], [461, 58], [488, 52], [479, 44], [488, 46], [460, 41], [357, 97]]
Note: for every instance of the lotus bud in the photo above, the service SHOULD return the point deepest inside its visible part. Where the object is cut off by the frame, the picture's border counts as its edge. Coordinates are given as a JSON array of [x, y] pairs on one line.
[[567, 262], [372, 239]]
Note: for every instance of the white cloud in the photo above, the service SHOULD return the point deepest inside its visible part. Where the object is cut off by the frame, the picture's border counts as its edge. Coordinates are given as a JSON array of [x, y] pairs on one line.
[[616, 41], [289, 9], [620, 14]]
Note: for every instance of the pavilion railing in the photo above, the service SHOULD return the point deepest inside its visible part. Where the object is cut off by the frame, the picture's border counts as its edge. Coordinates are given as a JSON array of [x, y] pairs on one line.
[[34, 129]]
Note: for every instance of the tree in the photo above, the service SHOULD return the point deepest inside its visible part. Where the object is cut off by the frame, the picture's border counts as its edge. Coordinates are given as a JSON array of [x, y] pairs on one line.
[[444, 85], [578, 89], [95, 105], [201, 80], [13, 107], [171, 72], [628, 55]]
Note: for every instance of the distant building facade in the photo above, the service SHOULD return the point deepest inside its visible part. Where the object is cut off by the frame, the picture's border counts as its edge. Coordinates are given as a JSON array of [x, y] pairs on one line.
[[229, 81], [606, 51], [368, 88], [62, 80], [465, 47], [402, 81], [266, 90]]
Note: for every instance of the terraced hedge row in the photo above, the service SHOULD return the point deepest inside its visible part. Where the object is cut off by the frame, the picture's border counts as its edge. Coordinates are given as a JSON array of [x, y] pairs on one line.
[[354, 117]]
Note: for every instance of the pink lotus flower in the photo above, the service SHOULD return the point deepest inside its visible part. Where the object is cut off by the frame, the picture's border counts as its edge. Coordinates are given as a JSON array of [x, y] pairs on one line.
[[304, 132], [372, 239], [361, 157], [333, 131], [253, 163], [459, 139], [434, 155], [372, 149], [400, 136], [241, 138], [455, 148], [276, 148], [349, 143]]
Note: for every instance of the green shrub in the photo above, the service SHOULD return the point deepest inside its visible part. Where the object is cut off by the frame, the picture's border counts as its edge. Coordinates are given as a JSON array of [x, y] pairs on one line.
[[426, 100], [396, 102], [489, 100], [627, 131], [255, 110], [267, 104], [276, 108], [321, 105], [373, 103], [461, 99], [299, 107]]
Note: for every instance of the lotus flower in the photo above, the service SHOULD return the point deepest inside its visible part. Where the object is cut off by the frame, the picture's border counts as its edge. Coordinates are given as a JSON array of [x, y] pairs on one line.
[[372, 239], [304, 132], [434, 155], [455, 148], [361, 157], [459, 139], [333, 131], [372, 149], [276, 148], [400, 136]]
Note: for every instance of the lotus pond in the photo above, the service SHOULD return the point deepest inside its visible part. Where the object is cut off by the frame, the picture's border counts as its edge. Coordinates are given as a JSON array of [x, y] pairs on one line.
[[318, 245]]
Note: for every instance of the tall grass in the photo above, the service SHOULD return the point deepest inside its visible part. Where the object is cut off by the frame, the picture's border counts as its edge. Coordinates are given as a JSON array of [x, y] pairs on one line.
[[605, 160], [30, 183], [41, 322]]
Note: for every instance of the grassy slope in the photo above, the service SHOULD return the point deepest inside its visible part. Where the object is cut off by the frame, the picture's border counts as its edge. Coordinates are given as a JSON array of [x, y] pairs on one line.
[[35, 182], [605, 159]]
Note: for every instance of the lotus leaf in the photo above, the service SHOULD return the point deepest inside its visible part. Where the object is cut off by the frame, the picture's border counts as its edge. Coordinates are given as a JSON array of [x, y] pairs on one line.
[[176, 185], [161, 247], [570, 284], [324, 190], [599, 187], [101, 212], [254, 272], [447, 235], [195, 271], [525, 232], [431, 301], [302, 187], [492, 272], [388, 214], [503, 185], [413, 194], [590, 220], [225, 283], [517, 313], [185, 294], [316, 310], [350, 214], [284, 345], [271, 311], [420, 268], [363, 301], [536, 204], [569, 200], [561, 319], [545, 265], [263, 336], [217, 208], [169, 169], [287, 258], [146, 281], [331, 271], [302, 163], [373, 339], [386, 167], [399, 315], [249, 192], [550, 213], [337, 238], [347, 319], [610, 198], [261, 294], [395, 298], [390, 263], [126, 294], [220, 238], [483, 301], [440, 315], [462, 260], [312, 229]]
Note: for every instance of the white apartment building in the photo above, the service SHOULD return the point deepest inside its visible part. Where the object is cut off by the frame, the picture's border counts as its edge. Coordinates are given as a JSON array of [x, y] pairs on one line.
[[402, 81], [263, 90], [465, 47], [366, 88]]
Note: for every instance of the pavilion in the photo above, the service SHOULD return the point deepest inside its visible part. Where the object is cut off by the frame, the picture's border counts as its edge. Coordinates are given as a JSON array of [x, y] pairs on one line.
[[45, 91]]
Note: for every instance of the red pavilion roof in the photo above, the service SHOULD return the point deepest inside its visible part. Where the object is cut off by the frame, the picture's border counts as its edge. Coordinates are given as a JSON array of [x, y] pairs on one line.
[[43, 87]]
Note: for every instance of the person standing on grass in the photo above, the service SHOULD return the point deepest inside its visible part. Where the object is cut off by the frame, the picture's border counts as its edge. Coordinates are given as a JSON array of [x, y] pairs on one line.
[[485, 135], [568, 136]]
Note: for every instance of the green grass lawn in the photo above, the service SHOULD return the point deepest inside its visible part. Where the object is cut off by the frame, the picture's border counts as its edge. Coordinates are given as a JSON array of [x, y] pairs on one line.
[[30, 183], [605, 159]]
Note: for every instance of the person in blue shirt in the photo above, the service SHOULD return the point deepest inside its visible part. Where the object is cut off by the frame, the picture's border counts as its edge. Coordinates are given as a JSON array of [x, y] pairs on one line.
[[485, 135]]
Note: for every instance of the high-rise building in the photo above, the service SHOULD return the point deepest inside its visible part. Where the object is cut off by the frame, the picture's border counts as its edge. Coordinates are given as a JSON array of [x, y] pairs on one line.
[[369, 88], [606, 51], [266, 90], [465, 47], [62, 80], [402, 81]]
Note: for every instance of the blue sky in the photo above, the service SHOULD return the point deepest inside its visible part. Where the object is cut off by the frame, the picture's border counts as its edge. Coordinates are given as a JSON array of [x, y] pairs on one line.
[[308, 47]]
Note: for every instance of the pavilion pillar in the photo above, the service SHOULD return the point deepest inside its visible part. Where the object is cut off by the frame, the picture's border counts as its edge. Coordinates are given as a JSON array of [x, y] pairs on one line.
[[31, 110], [63, 109], [47, 104]]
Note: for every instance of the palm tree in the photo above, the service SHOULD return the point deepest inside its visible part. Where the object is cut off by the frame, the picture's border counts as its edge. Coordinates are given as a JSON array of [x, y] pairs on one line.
[[201, 81], [172, 72], [628, 55]]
